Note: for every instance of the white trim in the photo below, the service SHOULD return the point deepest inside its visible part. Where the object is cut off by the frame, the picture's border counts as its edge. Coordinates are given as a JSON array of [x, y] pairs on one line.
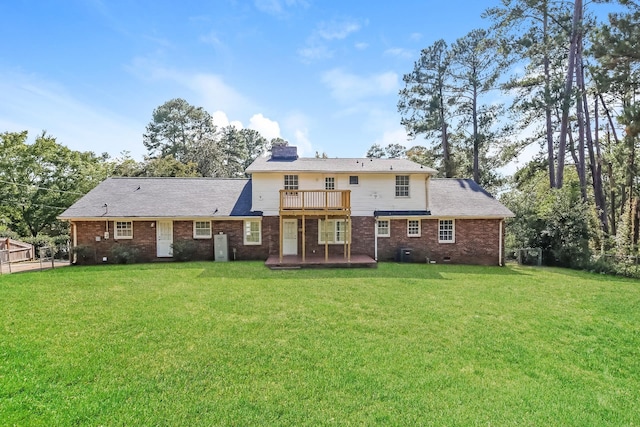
[[453, 230], [419, 227], [388, 221], [246, 231], [201, 236], [334, 240], [116, 235]]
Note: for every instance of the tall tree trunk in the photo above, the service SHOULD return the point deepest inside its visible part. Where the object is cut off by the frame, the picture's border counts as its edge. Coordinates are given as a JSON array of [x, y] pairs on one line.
[[581, 114], [566, 101], [448, 172], [548, 101], [595, 161], [476, 137]]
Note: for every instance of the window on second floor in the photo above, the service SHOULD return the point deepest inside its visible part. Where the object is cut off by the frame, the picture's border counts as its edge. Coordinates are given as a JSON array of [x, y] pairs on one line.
[[291, 182], [402, 185], [329, 183]]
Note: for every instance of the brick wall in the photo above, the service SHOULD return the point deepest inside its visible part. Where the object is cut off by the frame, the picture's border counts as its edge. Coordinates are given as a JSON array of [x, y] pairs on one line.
[[476, 242]]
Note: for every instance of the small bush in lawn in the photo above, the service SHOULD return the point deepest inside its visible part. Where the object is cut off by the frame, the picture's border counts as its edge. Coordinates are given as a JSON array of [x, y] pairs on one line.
[[123, 254], [184, 250]]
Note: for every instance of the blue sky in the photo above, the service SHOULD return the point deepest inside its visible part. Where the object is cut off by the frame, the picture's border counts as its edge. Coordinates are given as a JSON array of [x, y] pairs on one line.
[[323, 75]]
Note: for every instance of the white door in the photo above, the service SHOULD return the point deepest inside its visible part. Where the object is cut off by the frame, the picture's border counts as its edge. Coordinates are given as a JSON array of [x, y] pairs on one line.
[[290, 237], [164, 238]]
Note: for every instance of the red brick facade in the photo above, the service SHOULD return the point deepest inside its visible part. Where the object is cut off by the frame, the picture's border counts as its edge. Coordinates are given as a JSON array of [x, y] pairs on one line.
[[476, 240]]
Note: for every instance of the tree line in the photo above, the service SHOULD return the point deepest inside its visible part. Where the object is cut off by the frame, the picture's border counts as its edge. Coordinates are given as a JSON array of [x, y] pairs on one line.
[[573, 82], [39, 180]]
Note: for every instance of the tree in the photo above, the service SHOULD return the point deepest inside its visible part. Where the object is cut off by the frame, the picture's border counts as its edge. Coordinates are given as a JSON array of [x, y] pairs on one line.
[[533, 33], [177, 128], [476, 66], [375, 152], [42, 179], [423, 103]]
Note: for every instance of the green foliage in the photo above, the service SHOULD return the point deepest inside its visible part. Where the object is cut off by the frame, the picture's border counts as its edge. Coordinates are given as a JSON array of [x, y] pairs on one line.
[[184, 250], [124, 254], [42, 179], [555, 220], [84, 252], [237, 344]]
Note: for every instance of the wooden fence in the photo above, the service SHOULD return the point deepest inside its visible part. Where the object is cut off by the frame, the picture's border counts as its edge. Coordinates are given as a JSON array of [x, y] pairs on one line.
[[15, 251]]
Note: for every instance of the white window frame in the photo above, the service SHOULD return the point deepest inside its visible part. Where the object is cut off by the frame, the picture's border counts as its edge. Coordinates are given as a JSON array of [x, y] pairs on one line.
[[442, 223], [118, 229], [291, 182], [198, 230], [417, 226], [248, 231], [388, 227], [353, 178], [402, 187], [338, 231], [329, 181]]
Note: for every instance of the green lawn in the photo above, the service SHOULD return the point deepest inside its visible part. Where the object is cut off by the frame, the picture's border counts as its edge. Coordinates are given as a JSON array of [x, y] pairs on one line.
[[237, 344]]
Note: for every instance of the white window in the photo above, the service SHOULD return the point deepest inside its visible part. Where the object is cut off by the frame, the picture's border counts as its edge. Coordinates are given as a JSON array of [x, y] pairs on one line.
[[332, 231], [329, 183], [291, 182], [446, 231], [413, 227], [353, 180], [123, 230], [201, 229], [402, 185], [253, 232], [383, 228]]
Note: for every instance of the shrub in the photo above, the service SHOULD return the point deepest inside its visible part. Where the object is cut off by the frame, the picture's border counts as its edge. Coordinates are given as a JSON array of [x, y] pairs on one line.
[[123, 254], [184, 250], [84, 252]]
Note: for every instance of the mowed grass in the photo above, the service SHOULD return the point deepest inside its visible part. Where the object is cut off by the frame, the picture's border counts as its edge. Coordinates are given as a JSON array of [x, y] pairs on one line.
[[238, 344]]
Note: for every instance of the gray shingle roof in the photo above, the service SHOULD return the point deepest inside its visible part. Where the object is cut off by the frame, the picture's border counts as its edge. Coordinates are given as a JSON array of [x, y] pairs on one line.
[[463, 198], [312, 164], [165, 197]]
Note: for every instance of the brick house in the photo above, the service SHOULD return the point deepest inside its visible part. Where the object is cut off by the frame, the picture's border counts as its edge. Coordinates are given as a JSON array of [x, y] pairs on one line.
[[294, 210]]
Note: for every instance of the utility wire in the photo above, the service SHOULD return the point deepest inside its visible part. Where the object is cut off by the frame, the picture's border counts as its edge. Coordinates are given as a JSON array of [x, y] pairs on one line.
[[41, 188]]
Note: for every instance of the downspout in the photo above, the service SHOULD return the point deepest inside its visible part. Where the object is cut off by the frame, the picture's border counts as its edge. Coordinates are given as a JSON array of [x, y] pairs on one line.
[[375, 239], [500, 263], [75, 242]]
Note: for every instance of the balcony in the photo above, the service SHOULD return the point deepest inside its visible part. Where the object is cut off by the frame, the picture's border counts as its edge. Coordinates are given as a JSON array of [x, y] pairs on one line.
[[315, 202]]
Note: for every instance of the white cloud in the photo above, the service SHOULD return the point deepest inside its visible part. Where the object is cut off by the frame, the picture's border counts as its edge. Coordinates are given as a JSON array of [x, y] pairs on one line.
[[337, 29], [361, 45], [34, 104], [207, 90], [348, 87], [317, 48], [313, 53], [268, 128], [278, 7], [394, 136], [416, 37], [399, 52], [302, 142]]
